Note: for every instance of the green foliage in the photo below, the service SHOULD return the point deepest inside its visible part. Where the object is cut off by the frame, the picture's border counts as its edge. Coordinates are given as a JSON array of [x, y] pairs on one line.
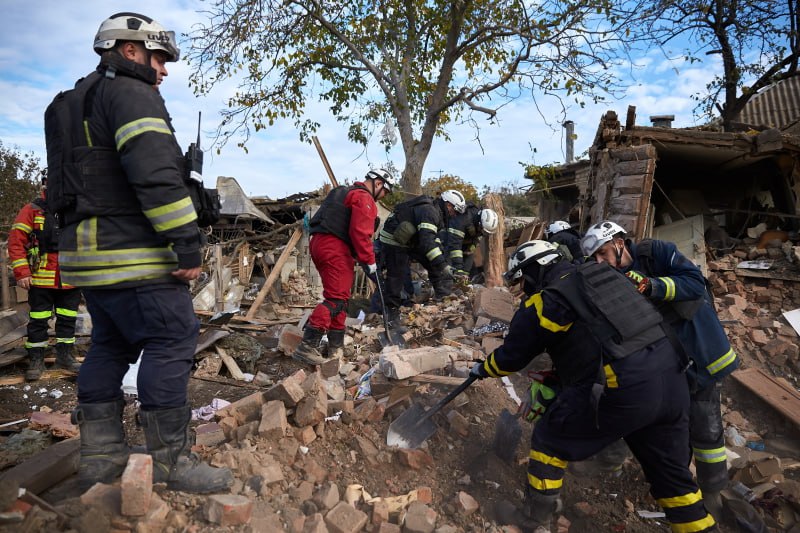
[[423, 63], [20, 175], [435, 186], [515, 202], [540, 175]]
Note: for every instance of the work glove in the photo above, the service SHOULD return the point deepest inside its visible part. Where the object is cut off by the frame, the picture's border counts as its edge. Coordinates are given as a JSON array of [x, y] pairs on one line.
[[544, 388], [478, 371], [448, 269], [461, 274], [371, 271], [642, 282]]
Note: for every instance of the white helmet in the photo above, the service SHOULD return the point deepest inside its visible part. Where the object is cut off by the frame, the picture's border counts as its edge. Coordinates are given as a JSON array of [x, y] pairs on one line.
[[555, 227], [489, 221], [455, 198], [599, 234], [135, 27], [543, 252], [381, 174]]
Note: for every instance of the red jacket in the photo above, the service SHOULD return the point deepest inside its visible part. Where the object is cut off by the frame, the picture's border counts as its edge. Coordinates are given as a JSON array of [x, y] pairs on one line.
[[363, 213], [20, 242]]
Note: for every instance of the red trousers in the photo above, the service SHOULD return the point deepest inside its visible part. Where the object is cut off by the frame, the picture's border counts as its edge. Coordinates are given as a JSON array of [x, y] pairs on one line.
[[335, 263]]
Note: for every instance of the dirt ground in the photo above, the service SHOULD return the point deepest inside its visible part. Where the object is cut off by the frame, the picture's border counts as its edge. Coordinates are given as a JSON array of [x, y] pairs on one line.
[[593, 500]]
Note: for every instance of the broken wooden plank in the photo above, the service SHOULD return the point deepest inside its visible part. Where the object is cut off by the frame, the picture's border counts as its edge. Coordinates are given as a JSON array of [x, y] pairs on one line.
[[12, 357], [767, 274], [46, 468], [230, 364], [437, 380], [209, 337], [777, 393], [47, 374], [276, 270]]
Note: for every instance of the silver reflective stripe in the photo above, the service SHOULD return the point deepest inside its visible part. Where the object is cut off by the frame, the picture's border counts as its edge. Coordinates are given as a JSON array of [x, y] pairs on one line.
[[427, 226], [722, 362], [433, 254], [388, 238], [118, 257], [137, 127], [456, 232], [95, 278]]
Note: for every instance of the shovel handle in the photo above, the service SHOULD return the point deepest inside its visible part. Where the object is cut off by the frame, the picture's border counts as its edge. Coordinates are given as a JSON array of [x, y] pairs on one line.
[[383, 306], [444, 401]]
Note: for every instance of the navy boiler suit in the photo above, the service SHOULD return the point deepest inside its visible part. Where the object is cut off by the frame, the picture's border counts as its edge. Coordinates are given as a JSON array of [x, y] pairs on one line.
[[645, 401]]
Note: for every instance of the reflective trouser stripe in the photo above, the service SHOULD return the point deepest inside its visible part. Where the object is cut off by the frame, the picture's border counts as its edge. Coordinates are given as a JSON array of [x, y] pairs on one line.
[[39, 315], [66, 312], [715, 455]]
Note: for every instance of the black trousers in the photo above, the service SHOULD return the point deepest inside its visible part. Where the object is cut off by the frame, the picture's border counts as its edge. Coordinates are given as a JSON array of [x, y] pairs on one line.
[[43, 302], [396, 261], [157, 321], [650, 410]]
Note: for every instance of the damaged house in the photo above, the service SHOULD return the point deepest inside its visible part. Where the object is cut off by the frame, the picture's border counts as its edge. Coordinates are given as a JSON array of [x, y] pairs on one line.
[[691, 186]]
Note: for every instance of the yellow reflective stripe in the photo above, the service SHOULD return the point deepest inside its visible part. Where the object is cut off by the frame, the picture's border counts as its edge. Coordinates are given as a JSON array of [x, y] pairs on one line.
[[111, 276], [722, 362], [456, 232], [44, 274], [38, 219], [172, 215], [428, 226], [18, 263], [547, 459], [536, 301], [544, 484], [692, 527], [716, 455], [130, 130], [680, 501], [22, 227], [611, 377], [491, 368], [66, 312], [65, 340], [126, 256], [43, 344], [40, 314], [86, 234], [669, 289], [86, 133], [456, 253], [433, 254]]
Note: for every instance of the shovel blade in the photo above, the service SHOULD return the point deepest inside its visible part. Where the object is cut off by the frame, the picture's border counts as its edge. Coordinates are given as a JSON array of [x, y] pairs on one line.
[[507, 433], [407, 431], [392, 338]]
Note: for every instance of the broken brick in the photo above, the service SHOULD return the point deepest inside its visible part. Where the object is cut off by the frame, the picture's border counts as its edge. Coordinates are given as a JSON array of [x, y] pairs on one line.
[[228, 509], [137, 484], [345, 518], [273, 421]]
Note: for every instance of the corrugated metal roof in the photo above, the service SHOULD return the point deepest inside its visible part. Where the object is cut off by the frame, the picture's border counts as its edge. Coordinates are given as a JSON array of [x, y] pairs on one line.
[[777, 106]]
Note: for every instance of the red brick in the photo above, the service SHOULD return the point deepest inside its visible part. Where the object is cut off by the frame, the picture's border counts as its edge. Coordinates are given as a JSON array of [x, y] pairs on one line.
[[289, 390], [209, 435], [313, 408], [289, 338], [273, 421], [244, 410], [137, 484], [305, 435], [345, 519], [424, 495], [101, 495], [228, 509], [416, 459], [387, 527]]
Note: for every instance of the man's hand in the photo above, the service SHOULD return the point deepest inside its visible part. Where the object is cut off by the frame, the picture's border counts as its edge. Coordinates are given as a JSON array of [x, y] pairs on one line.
[[462, 275], [478, 371], [642, 282], [371, 271], [187, 274], [24, 283], [543, 391]]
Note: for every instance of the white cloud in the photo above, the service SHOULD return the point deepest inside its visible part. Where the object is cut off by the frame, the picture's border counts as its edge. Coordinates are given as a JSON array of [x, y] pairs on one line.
[[52, 49]]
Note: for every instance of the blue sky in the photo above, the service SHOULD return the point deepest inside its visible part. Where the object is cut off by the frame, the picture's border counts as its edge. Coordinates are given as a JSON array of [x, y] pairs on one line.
[[48, 46]]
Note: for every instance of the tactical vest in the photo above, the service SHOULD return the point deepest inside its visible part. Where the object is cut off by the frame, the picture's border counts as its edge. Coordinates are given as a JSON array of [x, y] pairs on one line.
[[606, 304], [399, 228], [333, 216], [82, 180], [672, 311]]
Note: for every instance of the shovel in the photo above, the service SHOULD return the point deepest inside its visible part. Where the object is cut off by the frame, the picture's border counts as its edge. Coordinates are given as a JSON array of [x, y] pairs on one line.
[[413, 427], [390, 337], [507, 433]]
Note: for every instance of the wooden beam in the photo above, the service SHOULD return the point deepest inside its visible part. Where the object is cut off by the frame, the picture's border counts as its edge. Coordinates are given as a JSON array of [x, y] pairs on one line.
[[775, 391], [496, 262], [276, 270], [230, 364], [46, 468], [325, 161]]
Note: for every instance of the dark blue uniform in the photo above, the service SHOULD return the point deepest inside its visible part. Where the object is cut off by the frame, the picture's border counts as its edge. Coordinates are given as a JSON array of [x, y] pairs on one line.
[[680, 293], [570, 239], [644, 400]]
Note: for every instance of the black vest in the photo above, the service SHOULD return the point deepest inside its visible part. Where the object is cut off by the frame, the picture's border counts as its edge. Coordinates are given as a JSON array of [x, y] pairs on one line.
[[614, 320], [333, 216], [404, 212]]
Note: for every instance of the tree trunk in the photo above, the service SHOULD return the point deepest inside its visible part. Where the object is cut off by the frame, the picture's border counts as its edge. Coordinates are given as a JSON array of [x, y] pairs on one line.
[[496, 262]]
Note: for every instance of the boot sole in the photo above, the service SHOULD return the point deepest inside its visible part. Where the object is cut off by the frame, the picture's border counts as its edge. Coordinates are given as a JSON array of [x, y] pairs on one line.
[[303, 359]]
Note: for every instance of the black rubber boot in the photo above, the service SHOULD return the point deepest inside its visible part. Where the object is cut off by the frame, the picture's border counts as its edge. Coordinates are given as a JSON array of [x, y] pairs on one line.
[[35, 364], [395, 322], [308, 350], [104, 453], [167, 437], [335, 343], [535, 515], [65, 358]]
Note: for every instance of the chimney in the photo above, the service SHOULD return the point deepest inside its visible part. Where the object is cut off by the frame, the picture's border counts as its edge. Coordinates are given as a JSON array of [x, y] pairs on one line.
[[662, 121], [570, 127]]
